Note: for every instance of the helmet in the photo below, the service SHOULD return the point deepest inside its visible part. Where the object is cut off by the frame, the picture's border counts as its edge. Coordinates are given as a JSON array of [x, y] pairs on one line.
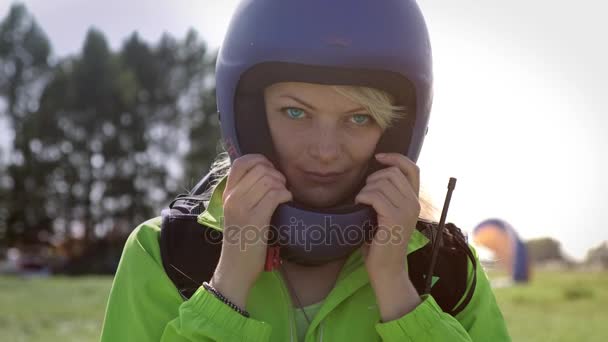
[[382, 44]]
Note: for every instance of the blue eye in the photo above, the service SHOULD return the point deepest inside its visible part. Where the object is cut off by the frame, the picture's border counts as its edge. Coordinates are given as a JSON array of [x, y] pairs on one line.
[[295, 113], [360, 119]]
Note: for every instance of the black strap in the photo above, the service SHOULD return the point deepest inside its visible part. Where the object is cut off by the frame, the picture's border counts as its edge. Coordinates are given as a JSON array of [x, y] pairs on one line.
[[471, 289], [188, 250], [190, 253], [191, 203]]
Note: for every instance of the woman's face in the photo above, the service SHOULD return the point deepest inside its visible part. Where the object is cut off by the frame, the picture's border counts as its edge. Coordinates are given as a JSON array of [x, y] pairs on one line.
[[324, 140]]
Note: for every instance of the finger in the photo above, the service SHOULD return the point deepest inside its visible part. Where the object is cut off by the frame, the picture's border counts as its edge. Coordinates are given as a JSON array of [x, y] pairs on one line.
[[271, 200], [386, 187], [242, 165], [408, 167], [395, 176], [256, 173], [377, 200], [365, 249], [257, 192], [260, 174]]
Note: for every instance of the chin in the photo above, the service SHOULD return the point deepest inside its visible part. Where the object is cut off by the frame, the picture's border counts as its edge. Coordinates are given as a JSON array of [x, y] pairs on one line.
[[321, 198]]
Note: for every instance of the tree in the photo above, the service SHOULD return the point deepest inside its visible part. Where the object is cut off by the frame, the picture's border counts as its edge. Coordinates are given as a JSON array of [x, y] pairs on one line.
[[24, 55], [203, 125], [598, 255], [177, 80], [544, 249], [100, 137]]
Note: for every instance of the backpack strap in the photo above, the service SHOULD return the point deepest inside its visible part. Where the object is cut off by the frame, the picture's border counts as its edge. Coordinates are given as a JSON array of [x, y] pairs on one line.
[[192, 203], [190, 252]]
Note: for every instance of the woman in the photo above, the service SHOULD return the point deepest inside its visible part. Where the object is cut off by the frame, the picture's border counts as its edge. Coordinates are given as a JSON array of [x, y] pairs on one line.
[[324, 107]]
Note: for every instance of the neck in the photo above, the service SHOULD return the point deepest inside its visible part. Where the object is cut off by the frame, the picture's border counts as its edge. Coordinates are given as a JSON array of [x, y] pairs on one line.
[[311, 284]]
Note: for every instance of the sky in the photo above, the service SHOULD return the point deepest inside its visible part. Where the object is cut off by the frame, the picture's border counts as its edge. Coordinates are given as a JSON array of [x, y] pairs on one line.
[[520, 112]]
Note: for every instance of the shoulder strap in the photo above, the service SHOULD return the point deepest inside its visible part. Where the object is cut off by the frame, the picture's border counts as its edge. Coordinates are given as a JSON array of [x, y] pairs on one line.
[[192, 203], [190, 253]]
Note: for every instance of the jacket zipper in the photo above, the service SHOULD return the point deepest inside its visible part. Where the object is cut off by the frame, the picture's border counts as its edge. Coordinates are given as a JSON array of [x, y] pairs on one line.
[[290, 314], [321, 331]]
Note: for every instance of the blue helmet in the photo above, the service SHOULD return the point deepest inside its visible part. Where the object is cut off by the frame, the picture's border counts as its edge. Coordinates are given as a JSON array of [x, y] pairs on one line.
[[382, 44]]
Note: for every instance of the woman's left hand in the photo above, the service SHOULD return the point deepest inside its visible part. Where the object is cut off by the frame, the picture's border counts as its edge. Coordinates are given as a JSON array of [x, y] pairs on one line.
[[393, 193]]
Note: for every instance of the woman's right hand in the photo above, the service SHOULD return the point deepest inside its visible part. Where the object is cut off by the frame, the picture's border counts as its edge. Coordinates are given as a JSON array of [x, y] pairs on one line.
[[253, 191]]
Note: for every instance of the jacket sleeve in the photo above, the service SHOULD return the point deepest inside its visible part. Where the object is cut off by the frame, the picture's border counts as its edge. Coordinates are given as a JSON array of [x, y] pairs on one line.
[[480, 320], [144, 305]]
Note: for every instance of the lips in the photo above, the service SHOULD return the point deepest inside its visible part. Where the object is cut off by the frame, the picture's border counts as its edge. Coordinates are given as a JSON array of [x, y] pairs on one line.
[[323, 178]]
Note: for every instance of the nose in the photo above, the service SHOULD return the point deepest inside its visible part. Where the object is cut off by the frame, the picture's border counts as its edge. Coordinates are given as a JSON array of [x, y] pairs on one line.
[[325, 146]]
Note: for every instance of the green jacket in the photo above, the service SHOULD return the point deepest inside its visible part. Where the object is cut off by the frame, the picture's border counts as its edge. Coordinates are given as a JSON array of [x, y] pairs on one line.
[[144, 305]]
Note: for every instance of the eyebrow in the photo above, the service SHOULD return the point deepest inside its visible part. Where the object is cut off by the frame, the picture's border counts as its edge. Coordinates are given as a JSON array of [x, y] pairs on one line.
[[311, 107], [359, 109]]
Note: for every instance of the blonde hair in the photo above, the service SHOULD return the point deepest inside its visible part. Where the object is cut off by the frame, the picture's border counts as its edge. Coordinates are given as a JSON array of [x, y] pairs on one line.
[[380, 105], [427, 210]]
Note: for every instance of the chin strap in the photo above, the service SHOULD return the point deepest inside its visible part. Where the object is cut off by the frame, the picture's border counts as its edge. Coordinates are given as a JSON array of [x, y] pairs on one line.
[[273, 258]]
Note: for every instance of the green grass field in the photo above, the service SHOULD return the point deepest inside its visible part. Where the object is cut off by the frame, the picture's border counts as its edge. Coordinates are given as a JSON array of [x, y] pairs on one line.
[[557, 306]]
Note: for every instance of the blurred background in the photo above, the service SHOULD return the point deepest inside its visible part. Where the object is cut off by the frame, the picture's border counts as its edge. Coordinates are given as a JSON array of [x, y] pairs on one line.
[[107, 112]]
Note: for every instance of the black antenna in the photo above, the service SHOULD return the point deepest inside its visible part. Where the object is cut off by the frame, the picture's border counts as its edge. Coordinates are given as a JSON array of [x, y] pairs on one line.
[[438, 235]]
